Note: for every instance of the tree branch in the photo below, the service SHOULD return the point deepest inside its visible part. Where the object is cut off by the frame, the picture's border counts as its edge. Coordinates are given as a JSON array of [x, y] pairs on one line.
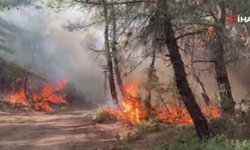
[[97, 51], [135, 66], [213, 15], [193, 7], [190, 33], [203, 61], [112, 3], [78, 26], [234, 60]]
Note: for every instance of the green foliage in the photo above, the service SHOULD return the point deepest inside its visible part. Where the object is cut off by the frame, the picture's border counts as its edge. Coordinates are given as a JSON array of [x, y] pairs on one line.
[[237, 128], [105, 53], [21, 70], [152, 124], [55, 3], [220, 142], [225, 127], [13, 3], [153, 82]]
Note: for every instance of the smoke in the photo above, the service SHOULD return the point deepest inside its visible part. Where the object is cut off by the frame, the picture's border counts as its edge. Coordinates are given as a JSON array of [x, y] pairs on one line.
[[55, 52]]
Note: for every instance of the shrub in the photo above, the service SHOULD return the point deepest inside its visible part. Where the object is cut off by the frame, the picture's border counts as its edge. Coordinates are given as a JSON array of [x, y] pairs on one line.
[[220, 142], [152, 124], [238, 129], [133, 136], [103, 115]]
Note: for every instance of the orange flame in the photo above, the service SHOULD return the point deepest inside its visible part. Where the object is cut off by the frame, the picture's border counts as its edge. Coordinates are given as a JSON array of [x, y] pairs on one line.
[[132, 111], [41, 101], [183, 117]]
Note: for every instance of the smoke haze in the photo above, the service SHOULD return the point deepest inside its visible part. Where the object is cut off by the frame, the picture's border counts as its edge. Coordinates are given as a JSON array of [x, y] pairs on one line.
[[58, 53]]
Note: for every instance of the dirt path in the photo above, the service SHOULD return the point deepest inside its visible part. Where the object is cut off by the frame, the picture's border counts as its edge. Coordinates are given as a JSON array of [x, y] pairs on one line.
[[68, 130]]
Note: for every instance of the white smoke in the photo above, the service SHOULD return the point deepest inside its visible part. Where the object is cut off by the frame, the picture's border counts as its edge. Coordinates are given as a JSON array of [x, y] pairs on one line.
[[58, 53]]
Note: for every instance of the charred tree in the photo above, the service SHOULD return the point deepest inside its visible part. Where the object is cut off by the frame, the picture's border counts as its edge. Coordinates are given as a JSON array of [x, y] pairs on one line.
[[108, 54], [199, 121], [114, 55]]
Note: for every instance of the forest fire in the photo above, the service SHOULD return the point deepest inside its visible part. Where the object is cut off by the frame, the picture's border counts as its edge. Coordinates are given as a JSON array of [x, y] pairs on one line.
[[173, 115], [132, 111], [40, 101]]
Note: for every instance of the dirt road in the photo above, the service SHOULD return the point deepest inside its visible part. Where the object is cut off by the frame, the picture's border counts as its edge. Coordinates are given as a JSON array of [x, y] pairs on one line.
[[66, 130], [69, 129]]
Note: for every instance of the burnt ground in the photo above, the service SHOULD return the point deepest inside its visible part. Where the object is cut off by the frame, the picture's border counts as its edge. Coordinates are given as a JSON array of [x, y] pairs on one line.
[[68, 129]]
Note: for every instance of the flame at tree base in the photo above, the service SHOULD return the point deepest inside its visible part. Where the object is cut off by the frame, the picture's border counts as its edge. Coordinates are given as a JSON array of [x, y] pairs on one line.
[[132, 112]]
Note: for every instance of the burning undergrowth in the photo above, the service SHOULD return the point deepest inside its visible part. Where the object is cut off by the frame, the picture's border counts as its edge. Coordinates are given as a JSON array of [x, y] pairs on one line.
[[39, 98], [131, 111]]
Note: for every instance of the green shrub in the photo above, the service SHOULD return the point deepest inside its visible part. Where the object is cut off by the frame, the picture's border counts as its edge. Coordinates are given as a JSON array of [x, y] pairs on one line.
[[220, 142], [103, 115], [152, 124], [238, 129]]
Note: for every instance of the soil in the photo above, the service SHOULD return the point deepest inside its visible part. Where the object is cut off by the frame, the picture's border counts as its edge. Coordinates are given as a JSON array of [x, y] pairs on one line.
[[67, 129]]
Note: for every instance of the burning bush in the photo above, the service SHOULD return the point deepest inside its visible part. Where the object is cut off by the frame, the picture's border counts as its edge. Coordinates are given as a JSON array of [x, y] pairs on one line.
[[132, 112], [40, 100]]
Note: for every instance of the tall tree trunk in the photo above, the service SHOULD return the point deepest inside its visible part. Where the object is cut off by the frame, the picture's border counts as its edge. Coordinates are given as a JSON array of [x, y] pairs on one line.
[[225, 92], [108, 55], [199, 121], [151, 72], [114, 54]]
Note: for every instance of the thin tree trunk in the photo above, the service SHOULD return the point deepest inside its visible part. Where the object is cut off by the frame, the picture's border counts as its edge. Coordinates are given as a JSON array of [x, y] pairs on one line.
[[162, 100], [225, 92], [151, 72], [105, 84], [199, 121], [114, 54], [203, 91], [2, 78], [198, 80], [108, 55]]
